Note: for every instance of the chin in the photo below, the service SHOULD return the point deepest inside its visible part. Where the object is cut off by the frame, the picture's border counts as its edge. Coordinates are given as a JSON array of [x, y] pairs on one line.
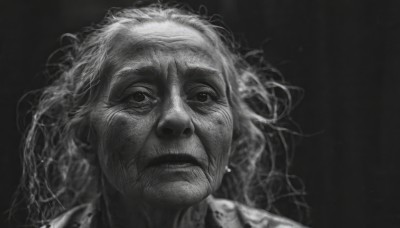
[[177, 194]]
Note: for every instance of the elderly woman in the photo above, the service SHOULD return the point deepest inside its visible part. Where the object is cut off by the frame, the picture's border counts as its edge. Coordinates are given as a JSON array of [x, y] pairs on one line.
[[150, 118]]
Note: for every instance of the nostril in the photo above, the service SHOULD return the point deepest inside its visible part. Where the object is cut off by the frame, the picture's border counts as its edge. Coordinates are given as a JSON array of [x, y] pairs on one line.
[[187, 131]]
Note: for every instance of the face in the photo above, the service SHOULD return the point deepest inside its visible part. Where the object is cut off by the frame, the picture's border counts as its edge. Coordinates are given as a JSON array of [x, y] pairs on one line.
[[163, 122]]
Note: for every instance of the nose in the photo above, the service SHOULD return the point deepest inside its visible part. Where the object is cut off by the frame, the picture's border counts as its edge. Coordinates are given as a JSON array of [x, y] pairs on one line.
[[175, 121]]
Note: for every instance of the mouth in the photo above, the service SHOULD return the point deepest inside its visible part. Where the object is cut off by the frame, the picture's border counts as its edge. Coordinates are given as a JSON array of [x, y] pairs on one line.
[[174, 160]]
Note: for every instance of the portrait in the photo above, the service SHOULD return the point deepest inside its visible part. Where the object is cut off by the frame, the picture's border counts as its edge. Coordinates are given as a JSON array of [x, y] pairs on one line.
[[152, 116], [200, 114]]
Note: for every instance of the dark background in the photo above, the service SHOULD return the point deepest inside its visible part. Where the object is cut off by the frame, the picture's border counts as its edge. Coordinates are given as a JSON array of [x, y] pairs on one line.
[[345, 54]]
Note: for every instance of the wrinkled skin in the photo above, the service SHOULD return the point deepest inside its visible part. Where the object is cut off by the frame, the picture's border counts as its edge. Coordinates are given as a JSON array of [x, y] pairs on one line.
[[163, 93]]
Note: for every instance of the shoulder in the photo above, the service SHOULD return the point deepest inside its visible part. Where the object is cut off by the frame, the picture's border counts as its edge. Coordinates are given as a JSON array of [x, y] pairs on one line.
[[225, 213], [80, 216], [233, 214]]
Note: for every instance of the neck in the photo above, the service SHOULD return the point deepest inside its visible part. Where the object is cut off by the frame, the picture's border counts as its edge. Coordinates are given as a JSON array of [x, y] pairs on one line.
[[120, 213]]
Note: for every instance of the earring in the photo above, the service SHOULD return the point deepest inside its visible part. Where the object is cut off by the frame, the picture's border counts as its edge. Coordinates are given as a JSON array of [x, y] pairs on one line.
[[227, 169]]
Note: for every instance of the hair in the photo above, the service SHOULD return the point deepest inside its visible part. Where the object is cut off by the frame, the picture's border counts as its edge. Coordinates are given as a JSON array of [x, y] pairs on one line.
[[56, 172]]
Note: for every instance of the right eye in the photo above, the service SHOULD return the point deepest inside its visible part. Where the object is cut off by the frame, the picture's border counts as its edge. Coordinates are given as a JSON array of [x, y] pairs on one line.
[[139, 97]]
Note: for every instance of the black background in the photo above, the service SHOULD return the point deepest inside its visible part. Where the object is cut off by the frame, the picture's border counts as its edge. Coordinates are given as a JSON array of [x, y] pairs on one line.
[[345, 54]]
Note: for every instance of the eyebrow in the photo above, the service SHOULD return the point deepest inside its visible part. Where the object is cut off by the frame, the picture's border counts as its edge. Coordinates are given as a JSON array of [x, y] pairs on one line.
[[147, 72], [141, 69], [201, 71], [210, 76]]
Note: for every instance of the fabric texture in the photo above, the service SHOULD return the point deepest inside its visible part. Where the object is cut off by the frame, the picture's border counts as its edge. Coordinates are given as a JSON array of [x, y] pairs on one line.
[[221, 213]]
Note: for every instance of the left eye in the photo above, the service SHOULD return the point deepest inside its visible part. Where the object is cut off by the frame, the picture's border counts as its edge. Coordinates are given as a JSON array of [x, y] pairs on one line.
[[202, 97]]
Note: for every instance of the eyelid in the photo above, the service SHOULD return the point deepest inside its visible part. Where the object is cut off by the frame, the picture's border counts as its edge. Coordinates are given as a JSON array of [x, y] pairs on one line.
[[204, 86], [138, 87]]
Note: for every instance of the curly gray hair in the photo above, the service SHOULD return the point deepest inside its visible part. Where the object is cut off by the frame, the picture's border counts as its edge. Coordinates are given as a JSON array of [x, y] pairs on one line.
[[56, 172]]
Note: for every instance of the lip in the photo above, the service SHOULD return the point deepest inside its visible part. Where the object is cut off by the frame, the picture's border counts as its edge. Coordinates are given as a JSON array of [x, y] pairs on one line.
[[173, 160]]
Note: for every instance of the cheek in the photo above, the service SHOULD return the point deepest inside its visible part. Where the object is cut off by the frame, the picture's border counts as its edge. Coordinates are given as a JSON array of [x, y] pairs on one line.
[[121, 137], [215, 132]]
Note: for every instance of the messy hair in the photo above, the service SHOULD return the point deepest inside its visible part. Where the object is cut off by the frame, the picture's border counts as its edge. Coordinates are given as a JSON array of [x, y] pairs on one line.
[[57, 174]]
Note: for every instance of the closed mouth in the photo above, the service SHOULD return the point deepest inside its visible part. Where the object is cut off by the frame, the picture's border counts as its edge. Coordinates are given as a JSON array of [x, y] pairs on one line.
[[174, 160]]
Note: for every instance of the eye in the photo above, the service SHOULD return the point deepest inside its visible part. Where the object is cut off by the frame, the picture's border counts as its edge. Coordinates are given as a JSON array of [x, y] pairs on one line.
[[202, 97], [138, 97]]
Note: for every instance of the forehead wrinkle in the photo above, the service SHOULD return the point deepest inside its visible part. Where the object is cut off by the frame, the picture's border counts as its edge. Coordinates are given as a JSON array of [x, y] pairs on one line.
[[134, 40], [146, 48], [131, 48], [146, 57]]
